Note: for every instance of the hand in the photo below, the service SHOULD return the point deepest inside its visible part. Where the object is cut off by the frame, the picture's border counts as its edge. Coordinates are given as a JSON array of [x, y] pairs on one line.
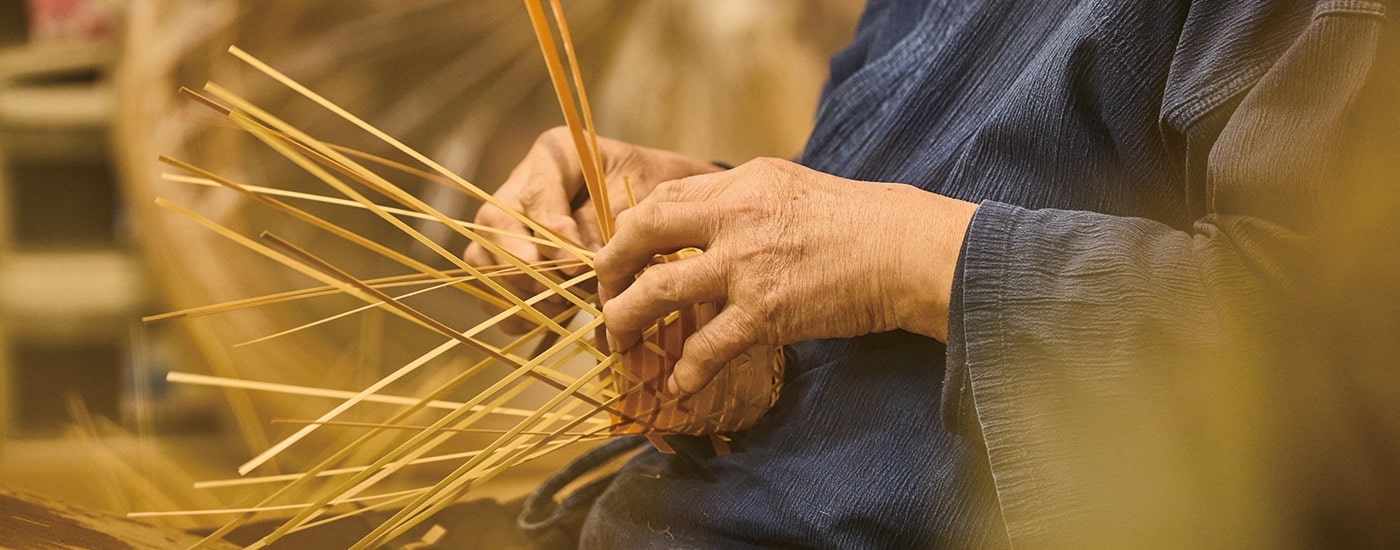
[[794, 255], [547, 186]]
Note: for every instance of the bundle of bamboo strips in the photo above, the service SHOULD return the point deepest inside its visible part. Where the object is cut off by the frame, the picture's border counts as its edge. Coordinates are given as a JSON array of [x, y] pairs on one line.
[[625, 386], [461, 81]]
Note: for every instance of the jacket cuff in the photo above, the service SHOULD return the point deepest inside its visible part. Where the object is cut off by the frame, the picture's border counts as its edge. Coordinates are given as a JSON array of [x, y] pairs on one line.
[[970, 304]]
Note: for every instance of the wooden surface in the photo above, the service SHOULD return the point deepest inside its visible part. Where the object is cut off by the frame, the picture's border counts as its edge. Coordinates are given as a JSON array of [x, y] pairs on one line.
[[30, 522]]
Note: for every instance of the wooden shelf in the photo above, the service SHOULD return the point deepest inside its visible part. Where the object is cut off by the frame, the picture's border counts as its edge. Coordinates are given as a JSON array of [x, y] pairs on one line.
[[39, 60], [56, 106], [73, 284]]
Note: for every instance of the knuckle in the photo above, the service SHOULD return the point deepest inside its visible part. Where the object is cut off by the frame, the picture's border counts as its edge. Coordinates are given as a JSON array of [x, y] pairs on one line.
[[663, 286], [664, 191], [621, 219], [558, 222], [642, 217], [604, 260], [614, 314], [553, 135], [703, 346], [749, 325], [533, 190], [619, 154], [611, 272], [769, 170], [488, 215], [763, 164]]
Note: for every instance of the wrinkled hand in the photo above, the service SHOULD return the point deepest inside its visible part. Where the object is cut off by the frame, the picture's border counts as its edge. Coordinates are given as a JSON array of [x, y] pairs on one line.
[[547, 186], [794, 255]]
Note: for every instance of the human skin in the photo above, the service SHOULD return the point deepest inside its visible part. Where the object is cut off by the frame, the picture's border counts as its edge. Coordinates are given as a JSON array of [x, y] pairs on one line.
[[548, 187], [792, 253]]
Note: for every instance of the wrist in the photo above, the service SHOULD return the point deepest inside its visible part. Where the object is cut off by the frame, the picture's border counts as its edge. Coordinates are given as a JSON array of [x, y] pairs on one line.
[[925, 261]]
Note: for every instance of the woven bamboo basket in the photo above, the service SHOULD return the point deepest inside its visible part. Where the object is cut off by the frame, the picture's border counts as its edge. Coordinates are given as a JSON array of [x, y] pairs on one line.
[[734, 401]]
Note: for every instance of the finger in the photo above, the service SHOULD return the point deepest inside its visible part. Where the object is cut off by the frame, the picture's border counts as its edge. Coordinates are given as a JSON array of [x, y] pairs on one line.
[[661, 289], [491, 216], [477, 256], [543, 183], [520, 286], [710, 348], [692, 189], [587, 219], [544, 200], [648, 230]]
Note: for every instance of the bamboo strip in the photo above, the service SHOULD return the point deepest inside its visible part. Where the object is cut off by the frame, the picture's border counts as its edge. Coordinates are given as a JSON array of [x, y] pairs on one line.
[[412, 313], [306, 391], [595, 158], [241, 481], [327, 104], [282, 445], [545, 37], [499, 385], [345, 451], [398, 495], [326, 177], [480, 474], [274, 255], [394, 281], [377, 535], [337, 316], [299, 422], [562, 242], [336, 230], [438, 435], [411, 452], [274, 192]]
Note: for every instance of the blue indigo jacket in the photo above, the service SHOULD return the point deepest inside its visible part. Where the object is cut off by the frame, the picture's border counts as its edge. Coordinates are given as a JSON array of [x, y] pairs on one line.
[[1151, 177]]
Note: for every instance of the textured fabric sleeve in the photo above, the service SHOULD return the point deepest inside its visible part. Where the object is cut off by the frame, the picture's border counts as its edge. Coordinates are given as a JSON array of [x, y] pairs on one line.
[[1122, 372]]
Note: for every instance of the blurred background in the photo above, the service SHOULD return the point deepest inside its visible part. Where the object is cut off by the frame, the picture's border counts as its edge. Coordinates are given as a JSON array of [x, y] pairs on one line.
[[88, 100]]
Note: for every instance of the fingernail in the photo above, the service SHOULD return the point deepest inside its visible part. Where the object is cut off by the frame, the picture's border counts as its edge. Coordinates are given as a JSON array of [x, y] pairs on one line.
[[612, 344], [672, 386]]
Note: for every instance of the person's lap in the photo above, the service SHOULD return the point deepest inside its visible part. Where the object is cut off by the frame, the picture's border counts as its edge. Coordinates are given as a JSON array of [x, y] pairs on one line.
[[853, 455]]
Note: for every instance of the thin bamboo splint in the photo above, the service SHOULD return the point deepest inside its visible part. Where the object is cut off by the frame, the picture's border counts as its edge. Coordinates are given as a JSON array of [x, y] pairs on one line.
[[627, 385]]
